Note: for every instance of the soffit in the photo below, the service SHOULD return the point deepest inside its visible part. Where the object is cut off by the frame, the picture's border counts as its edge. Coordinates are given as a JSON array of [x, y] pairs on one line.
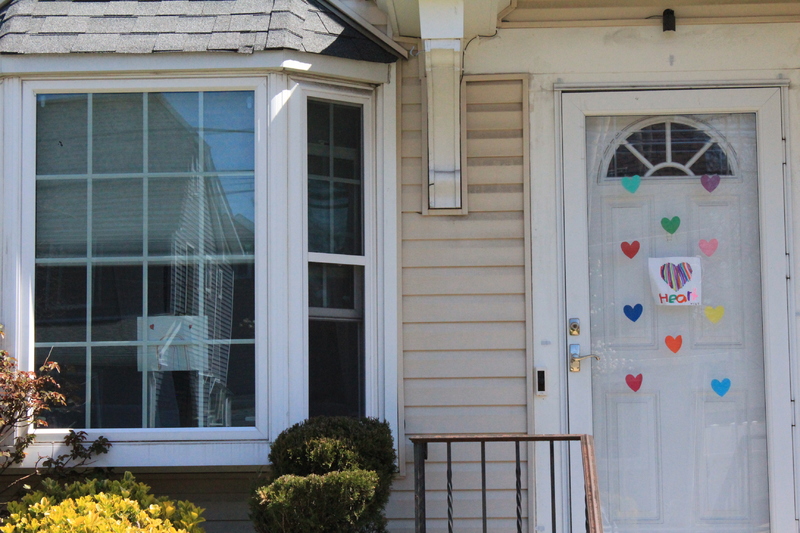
[[549, 13]]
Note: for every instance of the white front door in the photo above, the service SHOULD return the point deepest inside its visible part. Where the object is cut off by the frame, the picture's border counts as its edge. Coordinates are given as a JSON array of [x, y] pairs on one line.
[[676, 271]]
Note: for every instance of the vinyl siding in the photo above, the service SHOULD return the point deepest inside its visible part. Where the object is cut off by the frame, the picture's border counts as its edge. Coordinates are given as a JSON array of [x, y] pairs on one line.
[[465, 305]]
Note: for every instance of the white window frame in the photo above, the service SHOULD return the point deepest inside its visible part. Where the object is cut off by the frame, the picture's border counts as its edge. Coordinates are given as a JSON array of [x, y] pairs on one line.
[[281, 260]]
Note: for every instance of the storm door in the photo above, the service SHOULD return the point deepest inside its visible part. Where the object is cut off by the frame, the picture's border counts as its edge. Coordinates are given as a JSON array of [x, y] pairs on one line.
[[676, 279]]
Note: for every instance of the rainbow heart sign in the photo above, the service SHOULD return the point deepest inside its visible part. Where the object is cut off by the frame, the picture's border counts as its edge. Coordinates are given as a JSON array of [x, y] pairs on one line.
[[675, 280]]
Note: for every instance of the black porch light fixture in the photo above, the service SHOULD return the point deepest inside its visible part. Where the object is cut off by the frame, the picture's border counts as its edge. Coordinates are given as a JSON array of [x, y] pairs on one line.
[[668, 20]]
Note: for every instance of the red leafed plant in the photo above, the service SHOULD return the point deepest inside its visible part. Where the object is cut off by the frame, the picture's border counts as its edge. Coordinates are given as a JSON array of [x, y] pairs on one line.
[[24, 396]]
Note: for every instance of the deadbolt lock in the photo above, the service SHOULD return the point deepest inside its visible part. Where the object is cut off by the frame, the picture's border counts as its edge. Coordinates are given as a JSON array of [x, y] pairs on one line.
[[574, 326]]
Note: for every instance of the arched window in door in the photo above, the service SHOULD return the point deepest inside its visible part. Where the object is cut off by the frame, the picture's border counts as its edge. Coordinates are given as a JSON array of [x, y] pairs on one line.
[[668, 147]]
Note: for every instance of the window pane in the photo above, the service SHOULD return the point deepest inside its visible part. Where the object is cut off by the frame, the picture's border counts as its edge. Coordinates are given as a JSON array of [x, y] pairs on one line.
[[229, 131], [201, 216], [116, 388], [334, 191], [117, 217], [170, 313], [335, 368], [117, 133], [60, 304], [72, 380], [61, 125], [116, 302], [334, 286], [61, 218], [190, 385], [173, 125]]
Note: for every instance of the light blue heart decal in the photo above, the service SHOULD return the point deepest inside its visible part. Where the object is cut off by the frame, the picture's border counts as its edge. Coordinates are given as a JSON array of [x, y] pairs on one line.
[[632, 183], [721, 387]]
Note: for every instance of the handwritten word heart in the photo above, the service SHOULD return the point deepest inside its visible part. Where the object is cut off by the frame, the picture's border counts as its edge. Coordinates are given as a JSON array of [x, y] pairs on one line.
[[632, 183], [715, 314], [673, 343], [633, 313], [634, 382], [676, 276], [708, 247], [671, 226], [630, 249], [721, 387], [709, 182]]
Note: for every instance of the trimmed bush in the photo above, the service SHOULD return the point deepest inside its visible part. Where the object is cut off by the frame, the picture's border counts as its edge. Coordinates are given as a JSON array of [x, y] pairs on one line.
[[100, 506], [331, 503], [303, 459]]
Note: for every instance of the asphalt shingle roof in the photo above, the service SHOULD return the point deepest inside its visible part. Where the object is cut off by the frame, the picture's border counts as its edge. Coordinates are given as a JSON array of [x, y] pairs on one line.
[[147, 26]]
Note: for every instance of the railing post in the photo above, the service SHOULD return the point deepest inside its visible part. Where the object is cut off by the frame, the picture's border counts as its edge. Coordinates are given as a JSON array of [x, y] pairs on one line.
[[420, 454]]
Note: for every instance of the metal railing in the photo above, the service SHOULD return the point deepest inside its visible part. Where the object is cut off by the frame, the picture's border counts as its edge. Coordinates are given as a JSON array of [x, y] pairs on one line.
[[593, 520]]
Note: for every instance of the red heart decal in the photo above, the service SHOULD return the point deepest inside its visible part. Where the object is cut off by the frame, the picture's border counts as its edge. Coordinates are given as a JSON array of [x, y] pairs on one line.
[[152, 326], [630, 249], [673, 343], [634, 382]]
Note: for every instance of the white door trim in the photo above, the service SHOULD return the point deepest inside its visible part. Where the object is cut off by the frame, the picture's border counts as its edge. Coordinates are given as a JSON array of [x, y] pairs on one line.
[[766, 103]]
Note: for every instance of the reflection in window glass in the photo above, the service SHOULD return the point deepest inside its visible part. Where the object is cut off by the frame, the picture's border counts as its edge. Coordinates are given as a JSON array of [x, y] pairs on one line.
[[335, 291], [169, 273]]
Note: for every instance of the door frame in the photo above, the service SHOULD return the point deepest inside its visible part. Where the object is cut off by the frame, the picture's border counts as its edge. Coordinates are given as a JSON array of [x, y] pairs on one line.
[[768, 104]]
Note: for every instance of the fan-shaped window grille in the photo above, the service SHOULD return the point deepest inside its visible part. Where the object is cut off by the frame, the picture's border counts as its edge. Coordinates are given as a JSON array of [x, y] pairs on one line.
[[669, 147]]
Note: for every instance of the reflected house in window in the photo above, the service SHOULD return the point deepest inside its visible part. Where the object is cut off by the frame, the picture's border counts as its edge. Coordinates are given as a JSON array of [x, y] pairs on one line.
[[166, 250]]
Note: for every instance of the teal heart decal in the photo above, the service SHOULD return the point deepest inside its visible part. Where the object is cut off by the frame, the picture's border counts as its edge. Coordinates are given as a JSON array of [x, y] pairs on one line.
[[671, 226], [632, 183], [721, 387]]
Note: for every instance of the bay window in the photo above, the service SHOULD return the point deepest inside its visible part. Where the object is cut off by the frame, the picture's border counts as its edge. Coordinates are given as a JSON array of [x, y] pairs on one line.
[[199, 256]]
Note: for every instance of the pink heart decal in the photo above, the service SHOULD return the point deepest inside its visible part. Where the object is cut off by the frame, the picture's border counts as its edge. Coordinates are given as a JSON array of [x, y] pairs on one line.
[[676, 276], [708, 247], [634, 382], [710, 182]]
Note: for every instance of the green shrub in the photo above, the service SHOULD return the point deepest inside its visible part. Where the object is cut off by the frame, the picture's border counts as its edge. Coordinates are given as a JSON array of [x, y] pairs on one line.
[[100, 506], [311, 451], [336, 502]]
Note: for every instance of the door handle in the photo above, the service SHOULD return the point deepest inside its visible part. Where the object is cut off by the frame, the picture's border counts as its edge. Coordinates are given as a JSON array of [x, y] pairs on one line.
[[575, 357]]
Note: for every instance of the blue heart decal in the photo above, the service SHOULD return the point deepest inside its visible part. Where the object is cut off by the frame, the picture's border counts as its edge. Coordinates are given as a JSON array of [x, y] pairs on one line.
[[633, 313], [632, 183], [721, 387]]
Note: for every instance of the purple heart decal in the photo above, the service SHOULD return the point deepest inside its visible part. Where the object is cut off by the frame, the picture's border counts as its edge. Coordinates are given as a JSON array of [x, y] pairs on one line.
[[710, 182], [676, 276]]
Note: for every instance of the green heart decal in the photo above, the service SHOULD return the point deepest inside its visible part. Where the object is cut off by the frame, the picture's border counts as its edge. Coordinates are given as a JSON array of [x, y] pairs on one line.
[[632, 183], [671, 226]]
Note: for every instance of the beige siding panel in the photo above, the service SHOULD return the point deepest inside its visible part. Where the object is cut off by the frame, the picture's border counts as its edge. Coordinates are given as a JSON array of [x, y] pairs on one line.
[[475, 336], [496, 452], [411, 198], [411, 170], [468, 253], [483, 202], [484, 419], [411, 118], [503, 147], [494, 92], [463, 280], [412, 94], [412, 144], [501, 505], [495, 174], [464, 364], [474, 226], [463, 308], [495, 120], [464, 392]]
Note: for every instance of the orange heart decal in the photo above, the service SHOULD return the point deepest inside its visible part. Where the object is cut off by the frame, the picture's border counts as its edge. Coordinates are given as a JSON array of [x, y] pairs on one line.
[[673, 343]]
